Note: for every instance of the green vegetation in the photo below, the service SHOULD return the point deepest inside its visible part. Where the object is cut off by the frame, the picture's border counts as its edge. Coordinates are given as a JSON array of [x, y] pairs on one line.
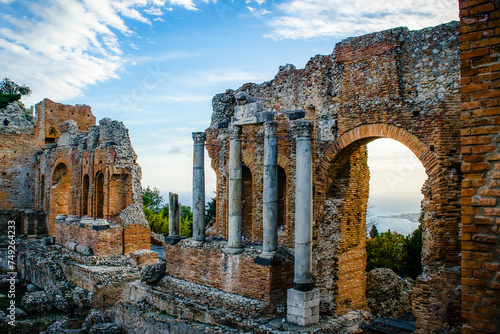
[[11, 91], [392, 250], [156, 211], [210, 211], [9, 87]]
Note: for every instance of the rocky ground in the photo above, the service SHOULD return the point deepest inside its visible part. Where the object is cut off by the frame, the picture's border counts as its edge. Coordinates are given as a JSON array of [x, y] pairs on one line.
[[154, 302]]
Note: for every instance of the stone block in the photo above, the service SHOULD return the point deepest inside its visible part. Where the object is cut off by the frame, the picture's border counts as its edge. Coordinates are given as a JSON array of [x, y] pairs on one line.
[[143, 257], [303, 307]]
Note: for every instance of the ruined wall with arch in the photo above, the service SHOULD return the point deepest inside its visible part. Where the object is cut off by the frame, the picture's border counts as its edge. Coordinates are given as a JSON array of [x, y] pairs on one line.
[[91, 175], [396, 84]]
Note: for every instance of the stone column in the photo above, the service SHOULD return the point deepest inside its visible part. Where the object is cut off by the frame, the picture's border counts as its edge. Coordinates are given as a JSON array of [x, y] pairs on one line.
[[174, 215], [270, 191], [303, 300], [199, 186], [234, 245]]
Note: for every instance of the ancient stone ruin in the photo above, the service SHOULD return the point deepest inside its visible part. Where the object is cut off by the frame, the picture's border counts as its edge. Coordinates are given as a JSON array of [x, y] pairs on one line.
[[286, 252], [77, 181]]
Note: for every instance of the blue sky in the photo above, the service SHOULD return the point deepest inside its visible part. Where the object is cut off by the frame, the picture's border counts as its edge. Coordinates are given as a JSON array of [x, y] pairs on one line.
[[156, 64]]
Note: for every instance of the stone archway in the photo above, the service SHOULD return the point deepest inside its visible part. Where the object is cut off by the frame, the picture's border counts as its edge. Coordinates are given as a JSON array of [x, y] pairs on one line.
[[340, 211], [59, 195]]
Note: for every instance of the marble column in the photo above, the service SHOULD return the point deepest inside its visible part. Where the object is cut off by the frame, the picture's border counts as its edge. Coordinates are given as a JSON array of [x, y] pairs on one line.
[[270, 191], [303, 300], [234, 245], [174, 215], [199, 186], [303, 205]]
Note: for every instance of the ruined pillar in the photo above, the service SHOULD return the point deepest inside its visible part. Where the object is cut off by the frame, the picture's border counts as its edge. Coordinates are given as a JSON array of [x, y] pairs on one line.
[[234, 245], [303, 300], [270, 191], [174, 215], [199, 186]]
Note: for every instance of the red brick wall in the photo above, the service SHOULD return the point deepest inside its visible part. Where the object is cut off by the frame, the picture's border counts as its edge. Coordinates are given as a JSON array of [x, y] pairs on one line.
[[135, 237], [51, 114], [102, 243], [237, 274], [480, 74]]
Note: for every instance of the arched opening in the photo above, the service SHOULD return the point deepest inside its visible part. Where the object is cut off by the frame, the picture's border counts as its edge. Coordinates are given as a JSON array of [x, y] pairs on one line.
[[85, 195], [396, 180], [59, 195], [341, 228], [281, 199], [41, 193], [99, 195], [246, 204]]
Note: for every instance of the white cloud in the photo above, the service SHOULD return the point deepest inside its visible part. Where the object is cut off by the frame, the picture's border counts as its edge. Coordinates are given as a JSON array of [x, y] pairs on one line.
[[58, 47], [154, 11], [228, 76], [319, 18]]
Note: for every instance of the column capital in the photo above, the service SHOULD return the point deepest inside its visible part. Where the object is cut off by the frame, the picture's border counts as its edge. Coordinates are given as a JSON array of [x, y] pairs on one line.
[[199, 137], [302, 128], [270, 128], [234, 132]]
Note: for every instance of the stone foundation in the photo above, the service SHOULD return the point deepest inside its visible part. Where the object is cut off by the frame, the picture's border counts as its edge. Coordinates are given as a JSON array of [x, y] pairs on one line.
[[303, 307]]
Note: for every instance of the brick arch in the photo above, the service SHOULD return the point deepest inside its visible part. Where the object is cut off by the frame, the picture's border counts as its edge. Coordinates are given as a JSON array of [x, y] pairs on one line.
[[342, 155], [368, 132], [60, 192]]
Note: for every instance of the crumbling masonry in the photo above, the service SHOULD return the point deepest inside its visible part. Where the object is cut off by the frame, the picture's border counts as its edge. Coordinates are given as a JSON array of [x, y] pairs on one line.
[[75, 180]]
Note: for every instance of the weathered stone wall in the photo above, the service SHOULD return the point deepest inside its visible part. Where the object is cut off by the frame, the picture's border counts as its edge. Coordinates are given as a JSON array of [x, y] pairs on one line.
[[480, 71], [50, 115], [396, 84], [95, 174], [65, 164], [207, 265]]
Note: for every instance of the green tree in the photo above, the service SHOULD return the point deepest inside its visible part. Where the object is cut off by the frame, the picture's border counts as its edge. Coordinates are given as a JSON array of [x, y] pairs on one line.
[[413, 260], [210, 211], [152, 199], [373, 231], [186, 221], [9, 87], [387, 250], [156, 213]]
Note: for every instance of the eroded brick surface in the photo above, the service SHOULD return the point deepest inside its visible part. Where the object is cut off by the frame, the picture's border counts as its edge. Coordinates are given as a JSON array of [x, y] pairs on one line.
[[480, 71]]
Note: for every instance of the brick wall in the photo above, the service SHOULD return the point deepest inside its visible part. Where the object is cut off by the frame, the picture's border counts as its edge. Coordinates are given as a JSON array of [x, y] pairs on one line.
[[239, 274], [17, 170], [102, 243], [480, 74], [51, 114], [135, 237]]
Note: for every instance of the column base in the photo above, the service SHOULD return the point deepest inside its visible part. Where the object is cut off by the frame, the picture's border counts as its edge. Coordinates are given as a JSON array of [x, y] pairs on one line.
[[302, 307], [267, 259], [172, 239], [233, 250], [196, 243]]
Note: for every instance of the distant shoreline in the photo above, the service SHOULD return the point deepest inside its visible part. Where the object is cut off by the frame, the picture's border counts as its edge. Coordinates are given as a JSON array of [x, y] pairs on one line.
[[412, 216]]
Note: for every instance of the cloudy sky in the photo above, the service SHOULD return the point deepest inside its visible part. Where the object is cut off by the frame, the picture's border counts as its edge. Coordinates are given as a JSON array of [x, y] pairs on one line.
[[155, 64]]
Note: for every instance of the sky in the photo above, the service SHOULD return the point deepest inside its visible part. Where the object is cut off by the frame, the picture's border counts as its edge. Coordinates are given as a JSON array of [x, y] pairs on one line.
[[156, 64]]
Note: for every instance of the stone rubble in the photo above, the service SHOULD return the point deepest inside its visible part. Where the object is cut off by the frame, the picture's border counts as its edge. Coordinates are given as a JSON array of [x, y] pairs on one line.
[[387, 295]]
